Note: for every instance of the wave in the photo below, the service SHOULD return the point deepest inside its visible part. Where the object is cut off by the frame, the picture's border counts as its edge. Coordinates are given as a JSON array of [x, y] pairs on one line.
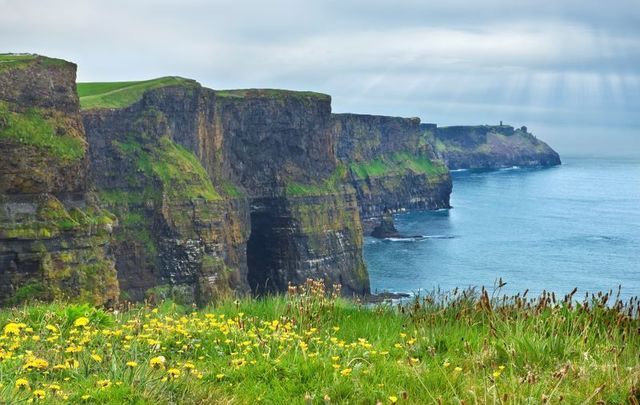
[[509, 168], [419, 238], [458, 170]]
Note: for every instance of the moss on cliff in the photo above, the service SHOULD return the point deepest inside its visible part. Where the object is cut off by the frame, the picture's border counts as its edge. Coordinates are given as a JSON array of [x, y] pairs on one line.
[[271, 93], [397, 164], [47, 130], [123, 94], [327, 186], [22, 60], [178, 170]]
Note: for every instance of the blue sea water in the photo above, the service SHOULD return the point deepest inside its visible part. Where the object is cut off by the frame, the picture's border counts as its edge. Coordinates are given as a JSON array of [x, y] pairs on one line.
[[576, 225]]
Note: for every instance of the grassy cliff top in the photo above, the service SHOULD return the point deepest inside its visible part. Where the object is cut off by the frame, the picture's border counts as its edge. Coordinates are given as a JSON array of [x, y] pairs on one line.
[[22, 60], [270, 93], [462, 347], [123, 94]]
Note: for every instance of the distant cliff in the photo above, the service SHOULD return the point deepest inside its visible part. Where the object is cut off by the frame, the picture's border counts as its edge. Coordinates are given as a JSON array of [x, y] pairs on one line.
[[53, 234], [489, 147], [391, 164]]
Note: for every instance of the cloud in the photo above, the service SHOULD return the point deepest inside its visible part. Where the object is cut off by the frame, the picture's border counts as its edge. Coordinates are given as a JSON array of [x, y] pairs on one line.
[[462, 61]]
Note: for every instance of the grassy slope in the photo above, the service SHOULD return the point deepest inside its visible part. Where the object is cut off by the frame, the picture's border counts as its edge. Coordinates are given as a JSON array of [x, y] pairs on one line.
[[286, 349], [397, 164], [122, 94], [38, 128]]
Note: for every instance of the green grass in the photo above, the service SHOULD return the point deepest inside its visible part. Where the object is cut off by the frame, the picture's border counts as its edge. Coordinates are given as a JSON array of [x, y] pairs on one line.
[[123, 94], [37, 129], [179, 170], [23, 60], [397, 164], [327, 186], [271, 93], [310, 348]]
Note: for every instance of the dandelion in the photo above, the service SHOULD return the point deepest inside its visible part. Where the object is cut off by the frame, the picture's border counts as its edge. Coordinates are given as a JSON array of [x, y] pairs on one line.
[[12, 328], [346, 372], [173, 373], [393, 399], [97, 358], [85, 397], [132, 364], [414, 360], [496, 374], [457, 369], [157, 362], [22, 383], [52, 328], [103, 384], [82, 321], [220, 376], [39, 394]]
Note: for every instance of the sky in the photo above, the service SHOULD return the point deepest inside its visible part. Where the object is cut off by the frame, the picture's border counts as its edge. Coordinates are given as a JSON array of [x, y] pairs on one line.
[[567, 69]]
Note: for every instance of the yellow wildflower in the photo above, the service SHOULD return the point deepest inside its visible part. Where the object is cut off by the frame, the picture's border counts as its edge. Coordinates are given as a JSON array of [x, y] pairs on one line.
[[22, 383], [97, 358], [346, 372], [220, 376], [393, 399], [132, 364], [82, 321], [12, 328], [39, 394], [103, 384], [157, 362], [52, 328], [173, 373], [458, 369]]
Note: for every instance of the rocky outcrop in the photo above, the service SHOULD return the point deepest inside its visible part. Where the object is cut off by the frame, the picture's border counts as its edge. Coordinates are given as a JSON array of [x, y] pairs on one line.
[[280, 148], [391, 165], [157, 165], [490, 147], [269, 205], [53, 234]]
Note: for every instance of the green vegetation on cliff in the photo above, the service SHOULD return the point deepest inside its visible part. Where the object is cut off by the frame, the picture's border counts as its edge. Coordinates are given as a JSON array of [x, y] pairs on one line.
[[178, 170], [271, 93], [123, 94], [311, 347], [397, 164], [42, 129], [22, 60], [330, 185]]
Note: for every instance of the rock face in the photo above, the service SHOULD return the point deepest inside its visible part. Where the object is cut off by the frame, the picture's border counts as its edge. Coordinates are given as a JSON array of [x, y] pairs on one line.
[[490, 147], [53, 234], [157, 165], [280, 148], [268, 206], [391, 165]]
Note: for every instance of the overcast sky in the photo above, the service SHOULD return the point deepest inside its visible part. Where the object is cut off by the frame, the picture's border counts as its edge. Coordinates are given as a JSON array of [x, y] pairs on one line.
[[568, 69]]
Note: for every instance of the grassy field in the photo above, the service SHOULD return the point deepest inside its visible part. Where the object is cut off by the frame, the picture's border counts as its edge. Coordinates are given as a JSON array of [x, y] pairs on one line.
[[310, 347], [122, 94]]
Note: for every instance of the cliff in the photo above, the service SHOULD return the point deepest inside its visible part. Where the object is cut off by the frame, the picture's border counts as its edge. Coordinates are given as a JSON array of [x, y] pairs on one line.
[[268, 206], [490, 147], [53, 234], [391, 164]]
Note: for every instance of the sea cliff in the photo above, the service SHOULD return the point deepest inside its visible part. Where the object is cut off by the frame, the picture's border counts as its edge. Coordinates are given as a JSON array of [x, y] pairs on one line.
[[165, 188], [490, 147]]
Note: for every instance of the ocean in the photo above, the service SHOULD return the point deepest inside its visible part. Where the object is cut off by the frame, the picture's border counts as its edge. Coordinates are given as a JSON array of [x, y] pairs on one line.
[[553, 229]]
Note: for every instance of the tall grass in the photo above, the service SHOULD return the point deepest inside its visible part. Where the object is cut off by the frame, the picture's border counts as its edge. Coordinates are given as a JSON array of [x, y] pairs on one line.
[[311, 346]]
